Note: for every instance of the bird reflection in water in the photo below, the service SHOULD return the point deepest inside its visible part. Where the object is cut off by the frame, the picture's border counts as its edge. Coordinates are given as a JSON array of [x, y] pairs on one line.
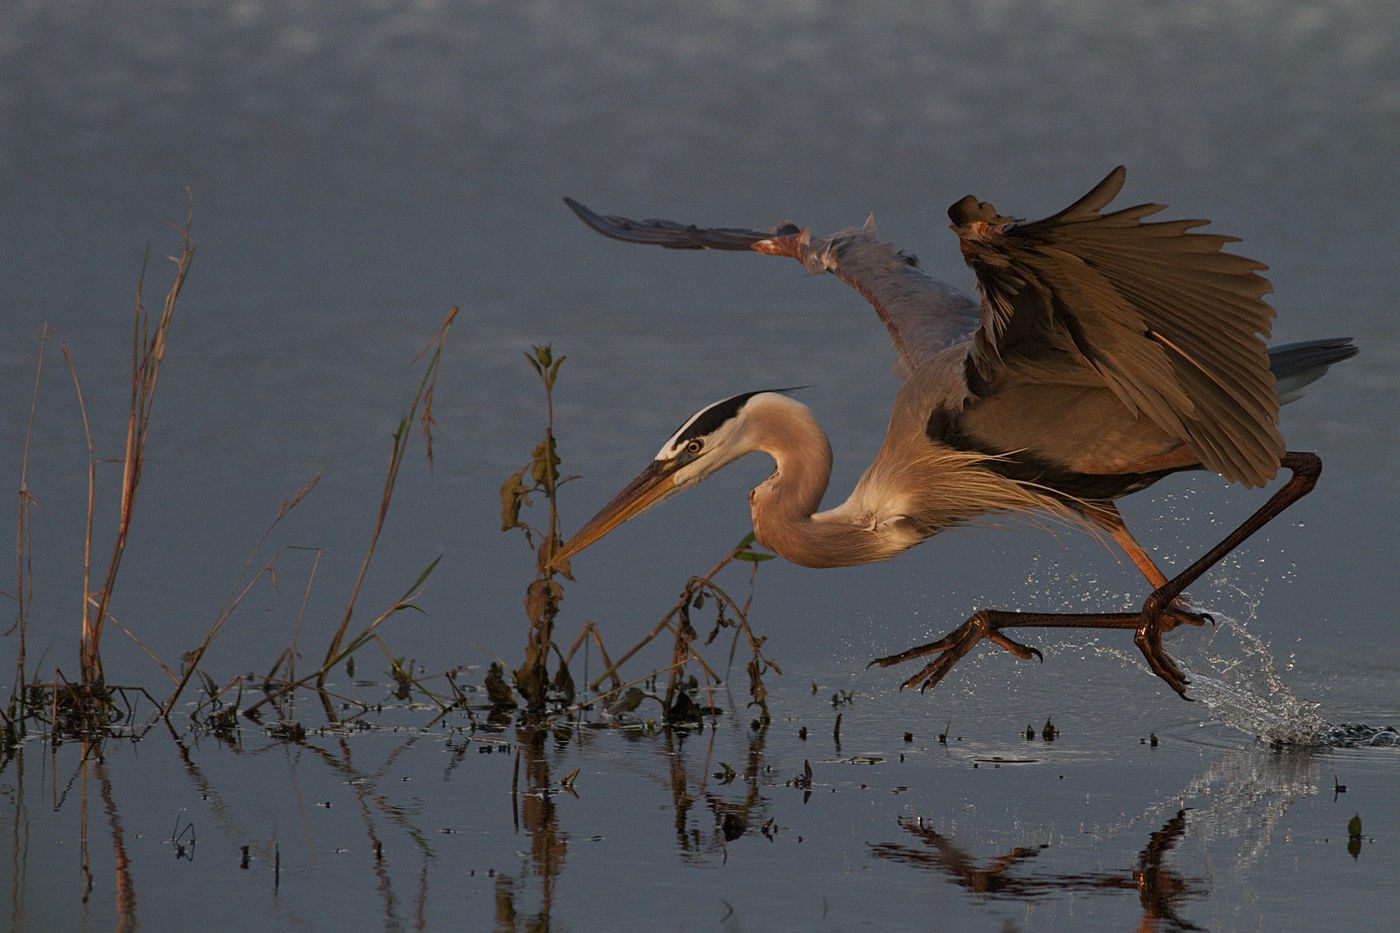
[[1161, 891]]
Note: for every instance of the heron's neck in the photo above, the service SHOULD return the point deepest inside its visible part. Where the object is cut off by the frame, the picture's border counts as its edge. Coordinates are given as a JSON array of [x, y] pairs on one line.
[[784, 506]]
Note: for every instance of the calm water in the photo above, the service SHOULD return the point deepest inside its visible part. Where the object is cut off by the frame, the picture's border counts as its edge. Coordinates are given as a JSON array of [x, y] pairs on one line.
[[355, 170]]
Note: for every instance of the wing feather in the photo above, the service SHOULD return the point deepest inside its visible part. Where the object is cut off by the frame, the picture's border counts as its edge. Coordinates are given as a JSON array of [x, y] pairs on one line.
[[922, 314], [1174, 325]]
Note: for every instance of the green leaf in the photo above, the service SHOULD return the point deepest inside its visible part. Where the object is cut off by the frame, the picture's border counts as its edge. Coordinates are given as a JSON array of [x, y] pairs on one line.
[[404, 599], [554, 372], [535, 359], [744, 550]]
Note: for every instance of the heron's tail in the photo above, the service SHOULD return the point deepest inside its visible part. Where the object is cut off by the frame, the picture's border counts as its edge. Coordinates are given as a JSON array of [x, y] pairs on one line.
[[1294, 365]]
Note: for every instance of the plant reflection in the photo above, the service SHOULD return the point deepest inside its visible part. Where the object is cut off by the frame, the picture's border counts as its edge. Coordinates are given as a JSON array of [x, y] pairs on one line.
[[537, 815], [91, 776], [705, 819], [731, 814], [94, 771], [94, 768], [375, 808]]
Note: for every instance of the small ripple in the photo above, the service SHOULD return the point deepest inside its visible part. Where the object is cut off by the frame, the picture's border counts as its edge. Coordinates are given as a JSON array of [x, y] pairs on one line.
[[1359, 735]]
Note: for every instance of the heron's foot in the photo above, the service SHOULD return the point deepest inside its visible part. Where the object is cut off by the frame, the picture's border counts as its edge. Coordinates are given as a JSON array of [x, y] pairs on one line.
[[1148, 638], [952, 647], [1187, 605], [1181, 613]]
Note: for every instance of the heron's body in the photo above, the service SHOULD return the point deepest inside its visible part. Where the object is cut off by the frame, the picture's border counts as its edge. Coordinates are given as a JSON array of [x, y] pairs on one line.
[[1105, 354]]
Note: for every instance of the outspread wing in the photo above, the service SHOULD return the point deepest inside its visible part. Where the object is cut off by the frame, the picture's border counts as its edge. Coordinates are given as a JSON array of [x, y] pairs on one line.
[[1173, 325], [922, 314]]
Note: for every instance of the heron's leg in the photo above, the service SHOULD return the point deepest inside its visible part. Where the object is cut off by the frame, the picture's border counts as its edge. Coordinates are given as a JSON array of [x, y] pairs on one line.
[[1107, 517], [1158, 616], [1305, 468]]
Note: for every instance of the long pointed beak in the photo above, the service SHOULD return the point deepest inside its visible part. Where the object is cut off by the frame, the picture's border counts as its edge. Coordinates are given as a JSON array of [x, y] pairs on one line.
[[649, 488]]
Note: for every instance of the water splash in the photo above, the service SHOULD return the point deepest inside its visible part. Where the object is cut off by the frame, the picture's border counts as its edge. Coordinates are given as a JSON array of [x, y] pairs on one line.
[[1233, 675]]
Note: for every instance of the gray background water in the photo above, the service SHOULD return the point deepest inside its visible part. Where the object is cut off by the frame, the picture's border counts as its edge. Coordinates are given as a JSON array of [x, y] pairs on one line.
[[357, 169]]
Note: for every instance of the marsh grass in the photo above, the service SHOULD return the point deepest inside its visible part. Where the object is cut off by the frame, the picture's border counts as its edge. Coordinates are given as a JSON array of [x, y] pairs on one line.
[[89, 706], [148, 345], [12, 728], [343, 644]]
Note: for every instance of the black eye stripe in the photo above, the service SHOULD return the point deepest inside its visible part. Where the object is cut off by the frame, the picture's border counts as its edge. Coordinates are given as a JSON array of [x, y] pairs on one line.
[[717, 414], [711, 418]]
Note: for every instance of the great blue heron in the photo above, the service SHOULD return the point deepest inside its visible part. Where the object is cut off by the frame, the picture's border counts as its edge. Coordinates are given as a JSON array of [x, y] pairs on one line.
[[1105, 354]]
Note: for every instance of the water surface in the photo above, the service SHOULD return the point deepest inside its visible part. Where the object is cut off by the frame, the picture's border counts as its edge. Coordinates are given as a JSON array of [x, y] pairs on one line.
[[355, 170]]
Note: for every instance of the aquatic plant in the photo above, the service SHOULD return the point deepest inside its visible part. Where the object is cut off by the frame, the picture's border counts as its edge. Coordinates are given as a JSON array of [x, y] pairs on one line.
[[148, 351], [542, 596], [341, 649], [90, 707], [536, 686]]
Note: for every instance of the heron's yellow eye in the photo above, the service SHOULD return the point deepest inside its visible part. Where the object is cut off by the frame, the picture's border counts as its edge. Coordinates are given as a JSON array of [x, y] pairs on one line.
[[695, 446]]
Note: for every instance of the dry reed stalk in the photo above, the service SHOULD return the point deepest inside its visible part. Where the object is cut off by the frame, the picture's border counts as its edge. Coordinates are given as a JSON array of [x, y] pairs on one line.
[[400, 447], [24, 578], [339, 649], [148, 351]]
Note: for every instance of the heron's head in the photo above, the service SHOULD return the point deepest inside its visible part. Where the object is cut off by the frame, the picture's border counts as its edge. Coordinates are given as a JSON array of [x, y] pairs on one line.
[[715, 436]]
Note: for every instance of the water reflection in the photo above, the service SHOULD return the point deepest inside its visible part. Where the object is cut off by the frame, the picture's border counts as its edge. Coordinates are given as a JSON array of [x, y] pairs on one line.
[[89, 783], [349, 810], [732, 812], [711, 804], [1238, 799], [538, 817], [1160, 890], [94, 772], [311, 767]]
